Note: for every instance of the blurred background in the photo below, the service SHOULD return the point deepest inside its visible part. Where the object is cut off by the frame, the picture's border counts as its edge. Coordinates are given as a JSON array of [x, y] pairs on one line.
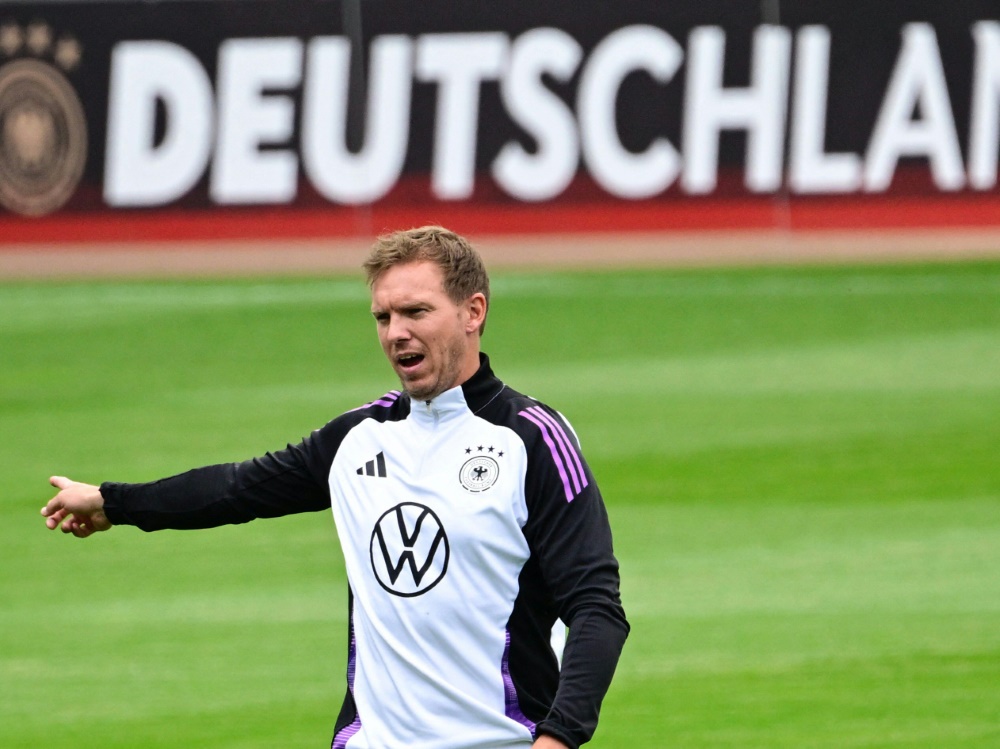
[[751, 250]]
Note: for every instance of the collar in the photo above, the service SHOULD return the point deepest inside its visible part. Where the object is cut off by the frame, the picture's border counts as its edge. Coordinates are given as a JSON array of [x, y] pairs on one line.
[[471, 395], [483, 386]]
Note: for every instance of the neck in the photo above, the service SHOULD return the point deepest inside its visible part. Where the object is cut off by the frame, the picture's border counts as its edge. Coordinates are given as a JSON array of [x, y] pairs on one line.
[[469, 366]]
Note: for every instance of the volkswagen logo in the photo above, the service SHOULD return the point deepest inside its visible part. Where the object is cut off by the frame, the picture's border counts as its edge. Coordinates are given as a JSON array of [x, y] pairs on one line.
[[409, 550]]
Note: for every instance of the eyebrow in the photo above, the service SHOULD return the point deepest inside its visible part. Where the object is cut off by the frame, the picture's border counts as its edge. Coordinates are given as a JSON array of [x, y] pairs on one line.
[[410, 307]]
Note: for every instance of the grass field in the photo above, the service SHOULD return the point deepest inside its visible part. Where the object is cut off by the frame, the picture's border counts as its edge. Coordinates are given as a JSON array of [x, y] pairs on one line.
[[802, 468]]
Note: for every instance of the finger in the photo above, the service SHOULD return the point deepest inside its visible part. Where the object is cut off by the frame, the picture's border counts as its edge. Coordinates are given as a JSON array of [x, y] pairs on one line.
[[57, 516], [85, 527], [60, 482], [54, 505], [76, 528], [74, 523]]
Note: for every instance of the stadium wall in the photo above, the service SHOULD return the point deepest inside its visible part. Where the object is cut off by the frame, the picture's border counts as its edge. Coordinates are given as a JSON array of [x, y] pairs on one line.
[[237, 122]]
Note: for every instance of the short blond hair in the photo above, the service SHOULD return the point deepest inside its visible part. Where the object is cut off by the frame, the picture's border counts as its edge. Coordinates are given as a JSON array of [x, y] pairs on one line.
[[462, 267]]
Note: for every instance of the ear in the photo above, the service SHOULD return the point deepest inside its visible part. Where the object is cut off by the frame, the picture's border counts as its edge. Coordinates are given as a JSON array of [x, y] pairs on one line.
[[475, 305]]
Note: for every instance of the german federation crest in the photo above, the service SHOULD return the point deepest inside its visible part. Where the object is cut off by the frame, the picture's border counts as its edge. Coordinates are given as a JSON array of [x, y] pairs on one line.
[[43, 130], [479, 473]]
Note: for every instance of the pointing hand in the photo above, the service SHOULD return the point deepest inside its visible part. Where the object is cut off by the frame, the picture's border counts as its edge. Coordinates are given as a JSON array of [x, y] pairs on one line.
[[78, 507]]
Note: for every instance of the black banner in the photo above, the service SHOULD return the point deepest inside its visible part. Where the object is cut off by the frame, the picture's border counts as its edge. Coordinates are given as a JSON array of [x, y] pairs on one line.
[[139, 108]]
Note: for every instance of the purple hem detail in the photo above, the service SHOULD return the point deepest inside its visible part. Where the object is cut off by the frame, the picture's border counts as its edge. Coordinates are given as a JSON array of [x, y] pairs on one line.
[[341, 739], [345, 734], [512, 709]]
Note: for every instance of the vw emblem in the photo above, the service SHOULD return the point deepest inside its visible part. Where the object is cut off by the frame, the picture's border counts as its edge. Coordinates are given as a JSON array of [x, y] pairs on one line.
[[409, 550]]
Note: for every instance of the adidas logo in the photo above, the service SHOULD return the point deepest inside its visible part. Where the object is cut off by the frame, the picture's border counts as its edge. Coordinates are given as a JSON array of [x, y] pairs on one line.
[[369, 468]]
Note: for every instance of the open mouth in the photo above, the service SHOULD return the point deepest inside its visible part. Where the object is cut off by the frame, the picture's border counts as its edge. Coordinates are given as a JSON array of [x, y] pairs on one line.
[[408, 362]]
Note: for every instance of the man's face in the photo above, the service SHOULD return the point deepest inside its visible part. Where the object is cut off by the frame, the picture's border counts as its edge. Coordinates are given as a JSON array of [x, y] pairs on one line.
[[431, 342]]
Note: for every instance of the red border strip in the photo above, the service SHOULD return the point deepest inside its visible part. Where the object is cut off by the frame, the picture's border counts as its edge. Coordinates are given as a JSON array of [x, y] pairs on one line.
[[695, 214]]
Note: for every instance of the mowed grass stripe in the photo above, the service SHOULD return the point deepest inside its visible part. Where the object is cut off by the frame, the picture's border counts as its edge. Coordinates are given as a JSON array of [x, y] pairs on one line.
[[967, 360], [800, 466]]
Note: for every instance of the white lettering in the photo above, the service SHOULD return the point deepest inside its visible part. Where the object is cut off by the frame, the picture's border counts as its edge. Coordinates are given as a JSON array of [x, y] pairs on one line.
[[164, 119], [337, 173], [138, 171], [811, 170], [458, 63], [759, 109], [984, 128], [917, 80], [545, 116], [616, 169], [241, 172]]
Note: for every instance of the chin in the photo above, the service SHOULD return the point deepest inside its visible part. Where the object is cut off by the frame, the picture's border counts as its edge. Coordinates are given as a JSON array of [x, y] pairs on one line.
[[415, 391], [422, 392]]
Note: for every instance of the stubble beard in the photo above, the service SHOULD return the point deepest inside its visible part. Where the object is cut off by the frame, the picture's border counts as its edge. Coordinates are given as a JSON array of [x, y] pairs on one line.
[[447, 377]]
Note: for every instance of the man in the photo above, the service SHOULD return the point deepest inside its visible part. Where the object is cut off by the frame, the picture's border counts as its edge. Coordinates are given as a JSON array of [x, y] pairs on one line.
[[468, 518]]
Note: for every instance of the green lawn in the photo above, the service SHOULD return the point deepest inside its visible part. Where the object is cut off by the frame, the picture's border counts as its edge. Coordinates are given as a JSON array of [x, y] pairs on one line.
[[802, 468]]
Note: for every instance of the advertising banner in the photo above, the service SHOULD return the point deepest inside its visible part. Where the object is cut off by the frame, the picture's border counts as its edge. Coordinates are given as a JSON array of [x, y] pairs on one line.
[[249, 118]]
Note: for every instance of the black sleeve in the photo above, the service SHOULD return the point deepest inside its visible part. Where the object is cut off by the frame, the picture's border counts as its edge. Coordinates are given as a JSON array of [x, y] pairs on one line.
[[281, 483], [569, 532]]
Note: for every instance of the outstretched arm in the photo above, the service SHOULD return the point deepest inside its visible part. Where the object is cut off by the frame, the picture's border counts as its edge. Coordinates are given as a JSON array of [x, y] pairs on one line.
[[78, 507]]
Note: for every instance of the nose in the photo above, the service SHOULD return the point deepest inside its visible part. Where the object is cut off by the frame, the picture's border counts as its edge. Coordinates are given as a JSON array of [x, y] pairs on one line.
[[397, 330]]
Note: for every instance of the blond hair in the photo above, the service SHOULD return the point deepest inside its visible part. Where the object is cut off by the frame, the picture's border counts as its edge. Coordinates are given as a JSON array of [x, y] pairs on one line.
[[462, 267]]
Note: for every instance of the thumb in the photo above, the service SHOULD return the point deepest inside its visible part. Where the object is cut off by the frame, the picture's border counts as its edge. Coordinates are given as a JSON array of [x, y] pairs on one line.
[[59, 482]]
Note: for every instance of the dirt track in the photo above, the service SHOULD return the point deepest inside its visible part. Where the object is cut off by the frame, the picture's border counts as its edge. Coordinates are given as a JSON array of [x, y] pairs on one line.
[[246, 258]]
